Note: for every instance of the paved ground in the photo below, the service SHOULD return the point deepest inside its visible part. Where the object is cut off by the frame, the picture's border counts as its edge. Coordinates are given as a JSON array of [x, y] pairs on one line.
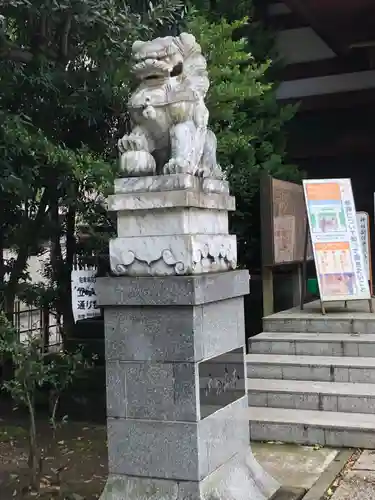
[[359, 482], [292, 465]]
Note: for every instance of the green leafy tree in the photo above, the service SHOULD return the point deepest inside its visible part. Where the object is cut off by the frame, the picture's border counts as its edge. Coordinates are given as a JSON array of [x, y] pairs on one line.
[[64, 85], [33, 370], [244, 113]]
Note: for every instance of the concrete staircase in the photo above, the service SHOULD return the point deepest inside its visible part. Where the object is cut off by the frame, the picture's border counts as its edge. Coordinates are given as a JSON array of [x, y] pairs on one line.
[[313, 388]]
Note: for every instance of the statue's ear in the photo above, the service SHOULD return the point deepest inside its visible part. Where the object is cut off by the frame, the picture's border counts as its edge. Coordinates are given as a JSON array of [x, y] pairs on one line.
[[188, 40]]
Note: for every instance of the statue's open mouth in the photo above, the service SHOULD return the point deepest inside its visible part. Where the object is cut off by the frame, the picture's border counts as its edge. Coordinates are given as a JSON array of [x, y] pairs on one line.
[[154, 77], [156, 70], [176, 71]]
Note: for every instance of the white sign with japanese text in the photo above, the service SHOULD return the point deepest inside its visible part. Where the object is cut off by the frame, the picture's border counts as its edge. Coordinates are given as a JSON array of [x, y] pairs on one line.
[[338, 251], [84, 303], [363, 221]]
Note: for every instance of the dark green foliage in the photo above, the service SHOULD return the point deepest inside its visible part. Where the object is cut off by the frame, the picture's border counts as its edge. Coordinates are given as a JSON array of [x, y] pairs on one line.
[[244, 113], [64, 85]]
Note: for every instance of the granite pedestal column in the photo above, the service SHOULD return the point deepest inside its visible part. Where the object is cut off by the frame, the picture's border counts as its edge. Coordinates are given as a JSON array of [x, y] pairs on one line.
[[174, 330]]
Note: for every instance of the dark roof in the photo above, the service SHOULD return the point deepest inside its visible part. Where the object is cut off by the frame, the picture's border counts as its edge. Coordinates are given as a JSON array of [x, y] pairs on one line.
[[342, 24]]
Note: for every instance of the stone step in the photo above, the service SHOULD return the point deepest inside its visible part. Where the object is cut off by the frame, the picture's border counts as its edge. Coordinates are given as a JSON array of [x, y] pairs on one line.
[[307, 395], [338, 321], [315, 368], [313, 344], [336, 429]]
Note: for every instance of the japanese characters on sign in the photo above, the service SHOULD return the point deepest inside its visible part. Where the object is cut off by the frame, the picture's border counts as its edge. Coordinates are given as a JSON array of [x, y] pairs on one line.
[[84, 304], [338, 251], [363, 222], [221, 381]]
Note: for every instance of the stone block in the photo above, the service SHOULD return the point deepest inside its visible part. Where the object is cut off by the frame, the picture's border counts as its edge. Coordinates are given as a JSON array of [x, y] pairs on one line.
[[170, 199], [162, 391], [341, 374], [295, 401], [257, 398], [328, 326], [241, 478], [219, 328], [150, 334], [286, 433], [355, 404], [283, 347], [154, 391], [145, 223], [328, 402], [151, 448], [264, 371], [222, 435], [366, 350], [116, 389], [273, 347], [363, 326], [318, 349], [180, 254], [176, 182], [284, 325], [172, 290], [123, 487], [296, 372], [178, 450], [349, 438], [351, 349], [364, 375], [189, 333]]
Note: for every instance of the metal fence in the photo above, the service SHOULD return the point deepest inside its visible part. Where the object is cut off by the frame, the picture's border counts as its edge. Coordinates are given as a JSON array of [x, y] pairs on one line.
[[28, 320]]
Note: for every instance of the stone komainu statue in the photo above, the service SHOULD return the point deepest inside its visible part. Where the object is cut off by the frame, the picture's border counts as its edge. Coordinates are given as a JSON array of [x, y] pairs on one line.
[[170, 118]]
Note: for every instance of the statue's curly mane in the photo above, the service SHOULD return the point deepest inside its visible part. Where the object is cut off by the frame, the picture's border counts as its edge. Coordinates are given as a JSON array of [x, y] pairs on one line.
[[194, 67]]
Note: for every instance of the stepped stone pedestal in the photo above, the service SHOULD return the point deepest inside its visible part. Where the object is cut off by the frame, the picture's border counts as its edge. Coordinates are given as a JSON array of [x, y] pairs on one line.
[[178, 427]]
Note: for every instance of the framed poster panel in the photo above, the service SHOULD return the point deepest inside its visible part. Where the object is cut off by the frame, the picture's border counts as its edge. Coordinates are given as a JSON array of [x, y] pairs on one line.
[[283, 216], [337, 248]]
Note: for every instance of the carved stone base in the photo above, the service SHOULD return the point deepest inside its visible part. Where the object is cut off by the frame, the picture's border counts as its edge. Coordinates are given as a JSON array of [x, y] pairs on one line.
[[181, 254], [171, 225]]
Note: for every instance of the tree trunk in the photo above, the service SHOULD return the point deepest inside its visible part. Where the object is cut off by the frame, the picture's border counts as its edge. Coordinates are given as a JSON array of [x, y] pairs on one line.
[[31, 231], [67, 270], [34, 454]]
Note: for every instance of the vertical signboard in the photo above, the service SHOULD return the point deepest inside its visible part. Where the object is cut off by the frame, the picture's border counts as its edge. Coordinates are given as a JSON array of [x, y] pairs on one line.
[[363, 221], [364, 236], [338, 252], [84, 303]]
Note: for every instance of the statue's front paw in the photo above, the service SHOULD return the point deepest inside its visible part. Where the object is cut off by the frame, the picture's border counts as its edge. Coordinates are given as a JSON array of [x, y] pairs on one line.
[[137, 164], [177, 166], [205, 171], [131, 142]]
